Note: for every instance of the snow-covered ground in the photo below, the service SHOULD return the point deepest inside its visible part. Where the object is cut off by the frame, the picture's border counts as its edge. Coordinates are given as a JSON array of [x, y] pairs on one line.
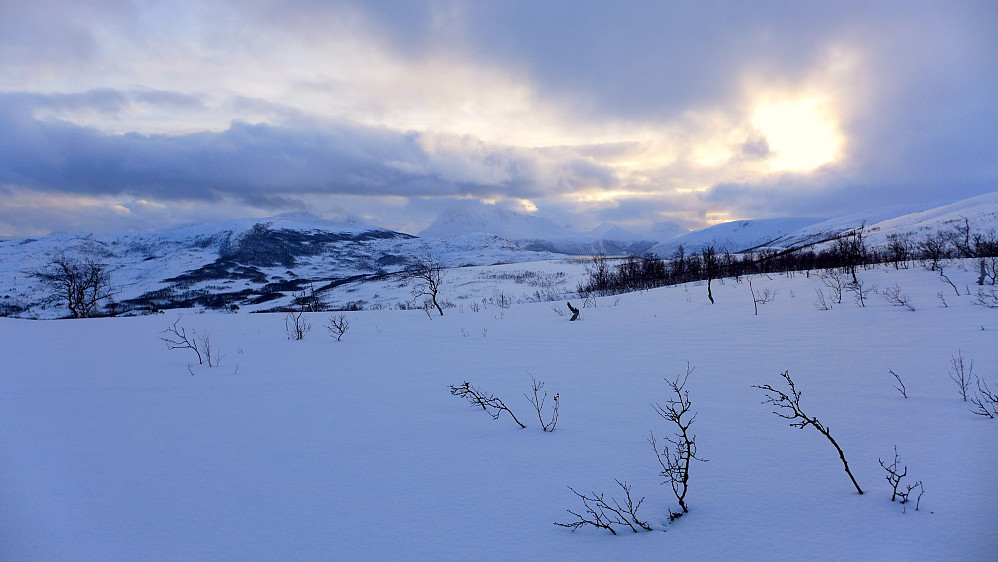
[[317, 449], [465, 287]]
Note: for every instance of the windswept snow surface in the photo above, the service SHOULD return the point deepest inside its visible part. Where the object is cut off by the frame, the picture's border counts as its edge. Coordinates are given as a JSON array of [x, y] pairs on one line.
[[111, 450]]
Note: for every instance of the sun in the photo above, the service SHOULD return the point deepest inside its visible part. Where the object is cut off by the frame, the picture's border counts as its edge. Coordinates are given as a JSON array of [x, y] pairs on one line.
[[800, 135]]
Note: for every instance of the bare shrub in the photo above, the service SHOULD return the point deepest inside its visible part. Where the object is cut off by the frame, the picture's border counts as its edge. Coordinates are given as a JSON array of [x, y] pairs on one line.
[[895, 297], [942, 299], [82, 283], [988, 270], [200, 343], [961, 373], [501, 299], [836, 283], [676, 458], [537, 401], [943, 277], [987, 299], [820, 302], [338, 325], [489, 403], [558, 310], [894, 477], [900, 385], [296, 325], [308, 300], [426, 277], [861, 291], [765, 296], [604, 514], [985, 401], [788, 407]]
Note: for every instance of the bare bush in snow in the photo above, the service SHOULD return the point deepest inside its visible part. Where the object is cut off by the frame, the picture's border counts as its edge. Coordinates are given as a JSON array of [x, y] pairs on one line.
[[820, 301], [894, 477], [987, 299], [836, 283], [985, 401], [296, 325], [767, 295], [200, 343], [900, 385], [537, 401], [82, 283], [426, 277], [861, 291], [489, 403], [895, 297], [961, 373], [676, 457], [604, 514], [788, 407], [338, 325]]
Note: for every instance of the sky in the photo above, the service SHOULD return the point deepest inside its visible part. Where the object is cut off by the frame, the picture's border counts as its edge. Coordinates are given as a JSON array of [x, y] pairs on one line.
[[123, 115]]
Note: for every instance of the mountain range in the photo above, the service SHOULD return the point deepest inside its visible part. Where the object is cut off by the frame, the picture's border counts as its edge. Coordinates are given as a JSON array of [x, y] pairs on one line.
[[261, 264]]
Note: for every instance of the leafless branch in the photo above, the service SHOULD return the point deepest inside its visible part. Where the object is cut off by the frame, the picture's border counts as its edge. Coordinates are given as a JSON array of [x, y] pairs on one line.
[[537, 401], [676, 458], [788, 407], [176, 338], [894, 477], [338, 325], [960, 373], [894, 296], [296, 325], [490, 404], [900, 385], [985, 401], [604, 514]]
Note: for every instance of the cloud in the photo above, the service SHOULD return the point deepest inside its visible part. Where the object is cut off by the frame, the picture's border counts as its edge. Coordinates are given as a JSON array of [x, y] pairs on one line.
[[637, 111], [261, 162]]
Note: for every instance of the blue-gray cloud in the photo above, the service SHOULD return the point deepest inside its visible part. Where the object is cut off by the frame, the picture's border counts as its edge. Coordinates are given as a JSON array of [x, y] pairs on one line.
[[260, 163], [924, 127]]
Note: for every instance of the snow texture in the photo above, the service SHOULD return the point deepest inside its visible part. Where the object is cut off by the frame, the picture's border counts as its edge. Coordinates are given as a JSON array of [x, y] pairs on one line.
[[316, 449]]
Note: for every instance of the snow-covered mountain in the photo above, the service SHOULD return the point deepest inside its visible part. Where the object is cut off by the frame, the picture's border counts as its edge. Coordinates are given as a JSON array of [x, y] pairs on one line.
[[733, 237], [260, 264], [253, 263], [910, 221]]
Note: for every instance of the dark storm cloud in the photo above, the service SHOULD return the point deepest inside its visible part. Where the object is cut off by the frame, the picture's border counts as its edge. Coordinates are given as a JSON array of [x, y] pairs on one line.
[[261, 164]]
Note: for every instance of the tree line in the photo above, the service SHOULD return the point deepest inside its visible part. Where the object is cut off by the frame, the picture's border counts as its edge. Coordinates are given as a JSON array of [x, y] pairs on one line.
[[847, 251]]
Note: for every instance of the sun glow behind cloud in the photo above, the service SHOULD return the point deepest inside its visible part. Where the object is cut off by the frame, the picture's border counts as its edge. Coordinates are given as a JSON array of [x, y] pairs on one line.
[[799, 135]]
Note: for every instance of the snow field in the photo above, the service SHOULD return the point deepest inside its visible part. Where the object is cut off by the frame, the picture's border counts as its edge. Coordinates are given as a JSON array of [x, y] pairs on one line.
[[313, 449]]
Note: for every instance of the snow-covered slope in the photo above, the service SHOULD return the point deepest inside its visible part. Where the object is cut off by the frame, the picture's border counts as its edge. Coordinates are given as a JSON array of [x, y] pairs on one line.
[[355, 450], [252, 263], [733, 237], [980, 212], [827, 229], [913, 222]]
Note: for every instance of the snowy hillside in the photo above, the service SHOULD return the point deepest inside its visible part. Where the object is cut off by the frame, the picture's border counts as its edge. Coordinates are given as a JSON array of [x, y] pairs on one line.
[[825, 230], [316, 449], [732, 237], [980, 212], [255, 264]]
